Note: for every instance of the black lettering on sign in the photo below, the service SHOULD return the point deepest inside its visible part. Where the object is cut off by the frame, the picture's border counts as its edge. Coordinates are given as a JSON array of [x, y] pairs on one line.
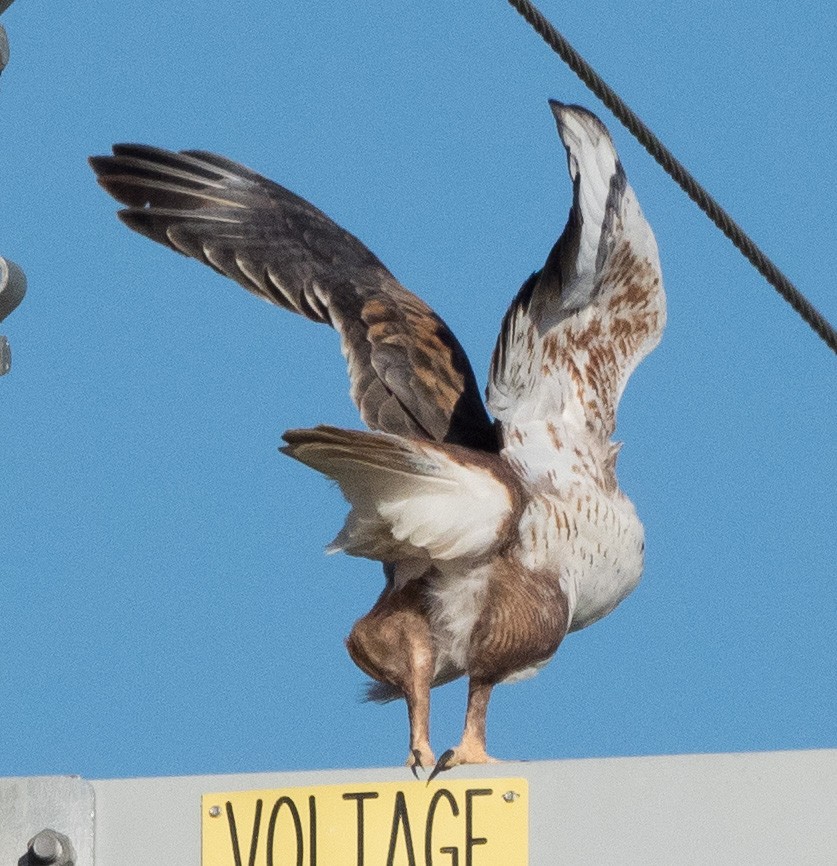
[[271, 828], [470, 839], [278, 846], [360, 797], [401, 818], [254, 842], [312, 822], [428, 828]]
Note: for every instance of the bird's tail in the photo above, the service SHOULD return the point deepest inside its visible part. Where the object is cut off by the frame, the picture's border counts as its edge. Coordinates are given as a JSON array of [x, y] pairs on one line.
[[411, 501], [385, 693], [381, 693]]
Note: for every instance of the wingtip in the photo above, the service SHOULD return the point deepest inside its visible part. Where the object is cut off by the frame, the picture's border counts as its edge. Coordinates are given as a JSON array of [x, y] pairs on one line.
[[105, 166], [99, 165], [576, 118], [298, 438], [101, 162], [586, 140], [561, 109], [556, 106], [567, 112], [129, 155], [599, 185]]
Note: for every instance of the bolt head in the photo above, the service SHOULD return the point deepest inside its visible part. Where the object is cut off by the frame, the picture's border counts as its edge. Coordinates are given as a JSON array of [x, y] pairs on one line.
[[46, 848]]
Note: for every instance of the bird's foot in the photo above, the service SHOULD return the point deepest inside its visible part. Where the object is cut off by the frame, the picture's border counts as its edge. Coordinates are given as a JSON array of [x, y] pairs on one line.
[[464, 753], [420, 758]]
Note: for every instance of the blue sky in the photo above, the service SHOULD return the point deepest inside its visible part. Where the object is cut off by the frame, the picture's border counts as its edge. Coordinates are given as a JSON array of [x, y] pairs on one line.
[[166, 604]]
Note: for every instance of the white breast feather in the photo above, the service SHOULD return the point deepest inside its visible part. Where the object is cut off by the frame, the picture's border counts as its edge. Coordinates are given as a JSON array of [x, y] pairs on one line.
[[456, 602], [592, 541]]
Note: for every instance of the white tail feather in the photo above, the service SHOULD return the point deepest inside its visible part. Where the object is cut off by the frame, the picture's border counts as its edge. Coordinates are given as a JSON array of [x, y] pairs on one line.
[[410, 499]]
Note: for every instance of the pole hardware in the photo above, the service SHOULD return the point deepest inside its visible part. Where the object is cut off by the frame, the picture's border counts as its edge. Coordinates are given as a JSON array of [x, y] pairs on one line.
[[12, 290], [49, 848]]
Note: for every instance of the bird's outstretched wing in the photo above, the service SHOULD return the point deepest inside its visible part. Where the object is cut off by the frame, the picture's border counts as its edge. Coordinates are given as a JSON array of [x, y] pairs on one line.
[[578, 328], [409, 375]]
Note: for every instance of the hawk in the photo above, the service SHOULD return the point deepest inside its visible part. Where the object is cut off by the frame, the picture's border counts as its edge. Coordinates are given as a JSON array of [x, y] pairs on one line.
[[497, 537]]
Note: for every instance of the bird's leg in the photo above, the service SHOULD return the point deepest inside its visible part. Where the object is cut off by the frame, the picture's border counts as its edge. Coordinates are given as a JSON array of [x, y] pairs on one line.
[[417, 695], [393, 645], [471, 749]]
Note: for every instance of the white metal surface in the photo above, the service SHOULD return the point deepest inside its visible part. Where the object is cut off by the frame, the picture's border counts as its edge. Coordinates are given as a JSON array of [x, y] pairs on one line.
[[769, 808], [763, 808], [32, 804]]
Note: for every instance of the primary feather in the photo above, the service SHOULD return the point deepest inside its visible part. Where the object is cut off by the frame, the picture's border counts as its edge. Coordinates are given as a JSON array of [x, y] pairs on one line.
[[408, 373]]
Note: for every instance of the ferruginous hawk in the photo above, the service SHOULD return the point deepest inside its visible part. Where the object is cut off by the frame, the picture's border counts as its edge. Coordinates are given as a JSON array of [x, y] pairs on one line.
[[496, 538]]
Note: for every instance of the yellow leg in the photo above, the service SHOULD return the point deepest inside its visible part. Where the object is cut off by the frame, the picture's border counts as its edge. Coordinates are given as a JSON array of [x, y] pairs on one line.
[[471, 749]]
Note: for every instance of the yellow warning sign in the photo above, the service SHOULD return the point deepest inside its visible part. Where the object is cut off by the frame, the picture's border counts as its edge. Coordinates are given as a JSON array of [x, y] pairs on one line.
[[481, 822]]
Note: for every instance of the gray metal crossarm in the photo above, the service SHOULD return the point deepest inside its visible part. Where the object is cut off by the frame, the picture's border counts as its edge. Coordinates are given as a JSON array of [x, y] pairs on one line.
[[760, 808]]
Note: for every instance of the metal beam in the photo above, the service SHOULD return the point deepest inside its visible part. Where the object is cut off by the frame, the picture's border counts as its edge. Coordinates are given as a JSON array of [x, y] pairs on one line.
[[776, 807]]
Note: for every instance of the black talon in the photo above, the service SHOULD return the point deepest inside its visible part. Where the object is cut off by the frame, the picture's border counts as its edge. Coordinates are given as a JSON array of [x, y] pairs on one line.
[[418, 763], [442, 764]]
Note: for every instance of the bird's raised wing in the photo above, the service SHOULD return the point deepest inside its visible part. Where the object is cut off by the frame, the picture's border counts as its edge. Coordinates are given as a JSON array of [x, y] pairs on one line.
[[408, 373], [578, 328]]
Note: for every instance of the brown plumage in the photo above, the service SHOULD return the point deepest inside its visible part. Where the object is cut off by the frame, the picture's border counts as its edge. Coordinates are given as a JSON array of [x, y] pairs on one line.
[[497, 539]]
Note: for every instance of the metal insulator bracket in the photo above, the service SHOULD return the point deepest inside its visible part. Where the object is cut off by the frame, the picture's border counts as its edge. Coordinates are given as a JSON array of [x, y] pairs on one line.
[[12, 290]]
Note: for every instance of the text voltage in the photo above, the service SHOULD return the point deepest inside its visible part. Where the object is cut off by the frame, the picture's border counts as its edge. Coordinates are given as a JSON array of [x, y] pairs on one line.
[[482, 822]]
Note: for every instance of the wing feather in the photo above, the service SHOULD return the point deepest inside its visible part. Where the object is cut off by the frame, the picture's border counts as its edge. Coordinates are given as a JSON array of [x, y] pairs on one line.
[[578, 328], [408, 373]]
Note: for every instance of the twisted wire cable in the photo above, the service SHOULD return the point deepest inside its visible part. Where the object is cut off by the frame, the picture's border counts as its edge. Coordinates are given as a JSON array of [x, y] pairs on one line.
[[559, 44]]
